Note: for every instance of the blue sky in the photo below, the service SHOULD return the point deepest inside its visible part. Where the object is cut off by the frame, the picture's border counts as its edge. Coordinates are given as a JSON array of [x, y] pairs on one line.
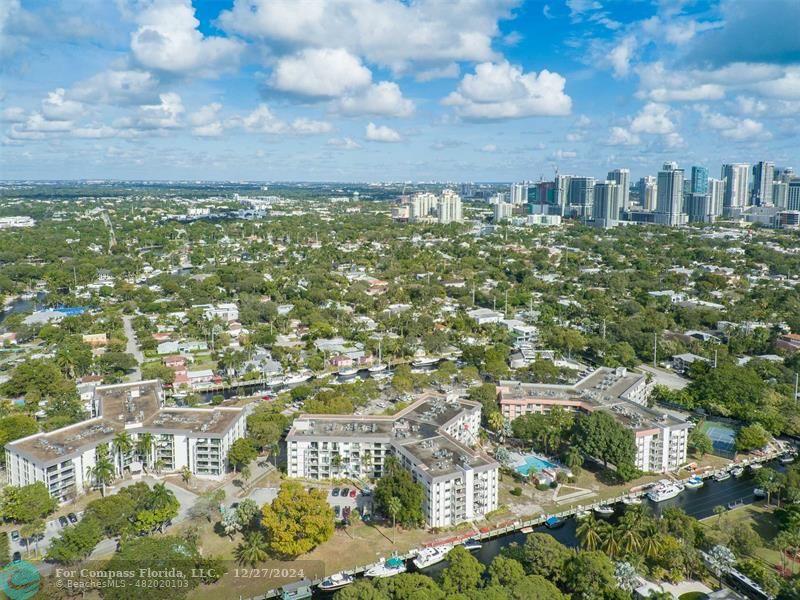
[[379, 90]]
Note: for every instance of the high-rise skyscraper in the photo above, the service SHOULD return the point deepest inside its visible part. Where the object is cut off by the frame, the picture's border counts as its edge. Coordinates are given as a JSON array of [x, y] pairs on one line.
[[698, 207], [699, 181], [519, 194], [793, 195], [785, 174], [669, 197], [606, 207], [716, 193], [449, 208], [422, 205], [762, 183], [622, 177], [503, 212], [737, 182], [562, 185], [647, 192], [581, 195], [780, 194]]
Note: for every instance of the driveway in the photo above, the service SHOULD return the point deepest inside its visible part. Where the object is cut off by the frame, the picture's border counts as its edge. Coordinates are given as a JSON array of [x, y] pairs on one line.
[[133, 348], [52, 530]]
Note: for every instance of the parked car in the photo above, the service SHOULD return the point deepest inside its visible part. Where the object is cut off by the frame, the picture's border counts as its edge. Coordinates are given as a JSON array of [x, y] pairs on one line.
[[335, 492], [17, 556], [62, 520], [337, 510], [15, 535], [353, 493], [345, 492], [366, 492], [73, 518]]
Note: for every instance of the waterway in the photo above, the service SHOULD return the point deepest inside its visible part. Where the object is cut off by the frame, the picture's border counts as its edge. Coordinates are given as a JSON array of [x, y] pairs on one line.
[[698, 503]]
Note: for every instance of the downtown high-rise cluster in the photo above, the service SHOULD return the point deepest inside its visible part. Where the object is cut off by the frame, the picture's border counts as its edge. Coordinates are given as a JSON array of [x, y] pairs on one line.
[[761, 193]]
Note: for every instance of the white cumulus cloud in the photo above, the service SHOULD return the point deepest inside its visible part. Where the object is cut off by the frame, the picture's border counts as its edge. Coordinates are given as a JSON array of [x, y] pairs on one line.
[[503, 91], [381, 133], [167, 39], [382, 99], [323, 72]]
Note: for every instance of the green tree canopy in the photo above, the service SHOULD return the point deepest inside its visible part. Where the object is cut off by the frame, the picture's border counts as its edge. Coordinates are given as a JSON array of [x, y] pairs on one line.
[[297, 520]]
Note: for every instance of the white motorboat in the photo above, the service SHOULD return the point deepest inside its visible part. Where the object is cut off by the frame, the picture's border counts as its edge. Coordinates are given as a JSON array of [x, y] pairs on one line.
[[737, 471], [387, 568], [472, 545], [336, 582], [583, 514], [664, 490], [789, 458], [631, 500], [722, 476], [756, 466], [425, 361], [760, 493], [275, 381], [694, 482], [348, 373], [604, 510], [430, 556], [298, 378]]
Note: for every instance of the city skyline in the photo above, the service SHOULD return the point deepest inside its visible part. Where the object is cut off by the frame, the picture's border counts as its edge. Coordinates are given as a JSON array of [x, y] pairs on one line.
[[507, 91]]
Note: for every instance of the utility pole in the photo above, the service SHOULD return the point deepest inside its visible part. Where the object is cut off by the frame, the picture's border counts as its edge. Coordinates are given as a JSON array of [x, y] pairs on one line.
[[604, 330], [655, 349], [796, 386]]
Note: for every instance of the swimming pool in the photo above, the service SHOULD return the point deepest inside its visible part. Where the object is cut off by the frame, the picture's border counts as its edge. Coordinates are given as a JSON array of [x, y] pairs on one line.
[[534, 463]]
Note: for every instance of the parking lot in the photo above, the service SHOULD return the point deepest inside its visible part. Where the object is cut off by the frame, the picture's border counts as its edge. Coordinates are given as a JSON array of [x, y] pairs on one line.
[[52, 529], [358, 502]]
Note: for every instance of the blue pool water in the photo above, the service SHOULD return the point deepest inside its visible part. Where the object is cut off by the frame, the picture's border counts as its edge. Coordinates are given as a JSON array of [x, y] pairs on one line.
[[534, 463]]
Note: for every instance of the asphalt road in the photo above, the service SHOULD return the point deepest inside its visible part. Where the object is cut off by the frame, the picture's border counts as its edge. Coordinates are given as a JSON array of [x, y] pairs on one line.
[[133, 348]]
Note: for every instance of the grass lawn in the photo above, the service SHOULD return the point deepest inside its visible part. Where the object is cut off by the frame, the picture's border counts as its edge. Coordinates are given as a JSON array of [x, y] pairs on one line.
[[763, 521]]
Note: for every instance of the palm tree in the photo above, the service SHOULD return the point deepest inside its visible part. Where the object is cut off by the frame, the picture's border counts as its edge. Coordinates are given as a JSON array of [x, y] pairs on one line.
[[32, 531], [651, 541], [158, 465], [103, 470], [122, 446], [252, 550], [719, 510], [589, 533], [495, 421], [160, 497], [186, 474], [144, 447], [610, 539], [394, 506]]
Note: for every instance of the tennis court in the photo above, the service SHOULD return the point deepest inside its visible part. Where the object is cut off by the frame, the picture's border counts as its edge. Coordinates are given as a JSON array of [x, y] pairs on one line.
[[723, 438]]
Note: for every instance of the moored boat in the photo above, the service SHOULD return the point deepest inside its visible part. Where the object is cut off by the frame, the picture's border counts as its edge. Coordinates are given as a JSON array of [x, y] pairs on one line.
[[722, 476], [694, 482], [378, 368], [336, 582], [425, 361], [760, 493], [582, 514], [664, 490], [348, 373], [553, 522], [387, 568], [430, 556], [737, 471], [298, 378], [788, 458], [631, 500], [604, 510], [756, 466], [472, 545]]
